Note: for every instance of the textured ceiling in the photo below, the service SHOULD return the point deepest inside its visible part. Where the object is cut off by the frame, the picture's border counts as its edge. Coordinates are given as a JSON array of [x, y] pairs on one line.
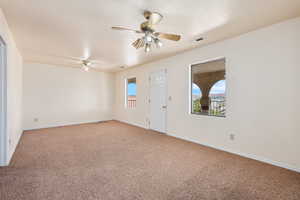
[[52, 31]]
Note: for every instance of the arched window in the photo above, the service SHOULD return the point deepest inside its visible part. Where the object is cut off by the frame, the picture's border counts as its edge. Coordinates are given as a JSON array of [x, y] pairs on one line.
[[217, 98], [196, 96]]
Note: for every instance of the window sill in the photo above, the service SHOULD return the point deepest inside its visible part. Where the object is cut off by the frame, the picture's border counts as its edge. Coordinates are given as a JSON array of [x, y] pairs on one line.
[[207, 115]]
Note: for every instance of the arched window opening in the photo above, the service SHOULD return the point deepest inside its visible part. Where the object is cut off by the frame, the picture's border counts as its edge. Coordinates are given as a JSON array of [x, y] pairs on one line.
[[217, 96], [196, 96]]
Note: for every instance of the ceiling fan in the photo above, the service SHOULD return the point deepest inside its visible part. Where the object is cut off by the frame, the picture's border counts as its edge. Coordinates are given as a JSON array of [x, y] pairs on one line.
[[85, 63], [151, 37]]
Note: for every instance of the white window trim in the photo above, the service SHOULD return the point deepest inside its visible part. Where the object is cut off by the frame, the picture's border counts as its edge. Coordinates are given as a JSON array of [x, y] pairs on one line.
[[3, 104]]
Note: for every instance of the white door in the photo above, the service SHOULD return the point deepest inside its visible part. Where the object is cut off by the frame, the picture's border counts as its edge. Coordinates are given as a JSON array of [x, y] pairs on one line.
[[158, 100]]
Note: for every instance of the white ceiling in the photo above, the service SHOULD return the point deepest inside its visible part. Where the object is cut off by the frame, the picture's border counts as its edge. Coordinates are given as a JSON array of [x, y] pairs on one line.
[[50, 31]]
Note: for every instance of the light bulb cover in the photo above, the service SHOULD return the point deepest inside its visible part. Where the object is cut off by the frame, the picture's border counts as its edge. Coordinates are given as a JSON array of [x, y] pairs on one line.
[[158, 43], [147, 48], [85, 68], [148, 38]]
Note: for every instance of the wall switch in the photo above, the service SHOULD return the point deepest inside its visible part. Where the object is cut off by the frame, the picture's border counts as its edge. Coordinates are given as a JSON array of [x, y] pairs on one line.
[[232, 136], [36, 119]]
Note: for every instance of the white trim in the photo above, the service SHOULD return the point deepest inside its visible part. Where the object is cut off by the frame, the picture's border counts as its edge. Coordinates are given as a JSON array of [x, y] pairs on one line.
[[133, 124], [125, 99], [190, 104], [3, 104], [208, 60], [13, 149], [191, 84], [246, 155], [126, 92], [67, 124]]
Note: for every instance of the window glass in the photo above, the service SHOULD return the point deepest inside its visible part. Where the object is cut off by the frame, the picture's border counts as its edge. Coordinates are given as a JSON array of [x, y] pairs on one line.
[[209, 88], [131, 93]]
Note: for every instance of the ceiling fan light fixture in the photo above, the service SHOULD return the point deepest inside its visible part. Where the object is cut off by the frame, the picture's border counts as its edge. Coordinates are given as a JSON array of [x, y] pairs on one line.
[[86, 62], [147, 48], [158, 43], [148, 38], [85, 68]]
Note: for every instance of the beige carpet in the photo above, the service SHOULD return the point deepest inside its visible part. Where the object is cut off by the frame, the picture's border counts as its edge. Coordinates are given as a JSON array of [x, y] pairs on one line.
[[113, 160]]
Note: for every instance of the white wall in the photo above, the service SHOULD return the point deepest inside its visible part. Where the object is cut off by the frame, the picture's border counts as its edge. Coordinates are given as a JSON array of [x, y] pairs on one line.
[[14, 90], [263, 95], [58, 96]]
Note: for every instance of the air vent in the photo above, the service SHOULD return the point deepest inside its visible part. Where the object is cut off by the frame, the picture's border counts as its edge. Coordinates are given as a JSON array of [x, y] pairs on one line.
[[199, 39]]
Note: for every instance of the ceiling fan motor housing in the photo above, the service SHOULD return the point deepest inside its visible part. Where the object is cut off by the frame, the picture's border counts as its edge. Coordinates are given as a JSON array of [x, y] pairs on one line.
[[145, 27], [147, 14]]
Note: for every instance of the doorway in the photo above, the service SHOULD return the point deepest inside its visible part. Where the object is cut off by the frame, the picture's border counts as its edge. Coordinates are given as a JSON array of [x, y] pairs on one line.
[[3, 104], [158, 100]]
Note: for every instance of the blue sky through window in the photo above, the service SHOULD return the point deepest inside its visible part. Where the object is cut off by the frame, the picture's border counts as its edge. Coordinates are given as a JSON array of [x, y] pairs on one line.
[[196, 90], [218, 88], [131, 89]]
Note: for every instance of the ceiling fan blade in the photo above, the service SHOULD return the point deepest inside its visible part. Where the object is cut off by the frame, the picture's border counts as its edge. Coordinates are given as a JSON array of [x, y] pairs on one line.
[[138, 43], [168, 36], [141, 43], [155, 18], [97, 62], [125, 29], [135, 43]]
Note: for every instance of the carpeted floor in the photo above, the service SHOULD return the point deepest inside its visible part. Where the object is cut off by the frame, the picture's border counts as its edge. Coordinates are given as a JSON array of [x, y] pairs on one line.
[[117, 161]]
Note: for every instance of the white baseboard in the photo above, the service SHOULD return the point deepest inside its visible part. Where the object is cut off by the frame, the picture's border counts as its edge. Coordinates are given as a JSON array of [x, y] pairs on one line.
[[66, 124], [130, 123], [246, 155]]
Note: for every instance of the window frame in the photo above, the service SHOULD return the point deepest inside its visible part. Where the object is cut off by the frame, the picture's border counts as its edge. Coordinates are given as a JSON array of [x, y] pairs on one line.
[[190, 84]]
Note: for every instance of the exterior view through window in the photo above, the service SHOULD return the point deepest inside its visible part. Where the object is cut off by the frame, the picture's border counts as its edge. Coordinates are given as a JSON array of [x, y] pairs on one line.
[[131, 93], [209, 88]]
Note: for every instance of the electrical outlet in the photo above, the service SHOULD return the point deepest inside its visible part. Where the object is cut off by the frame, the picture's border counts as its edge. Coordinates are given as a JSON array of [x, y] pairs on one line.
[[232, 136], [36, 119]]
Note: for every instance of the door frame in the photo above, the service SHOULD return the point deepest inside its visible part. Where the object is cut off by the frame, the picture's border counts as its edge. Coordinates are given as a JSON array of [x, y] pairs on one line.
[[167, 97], [3, 103]]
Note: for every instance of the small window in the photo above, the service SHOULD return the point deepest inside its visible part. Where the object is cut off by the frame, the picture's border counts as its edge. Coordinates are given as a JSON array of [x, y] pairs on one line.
[[209, 88], [131, 93]]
